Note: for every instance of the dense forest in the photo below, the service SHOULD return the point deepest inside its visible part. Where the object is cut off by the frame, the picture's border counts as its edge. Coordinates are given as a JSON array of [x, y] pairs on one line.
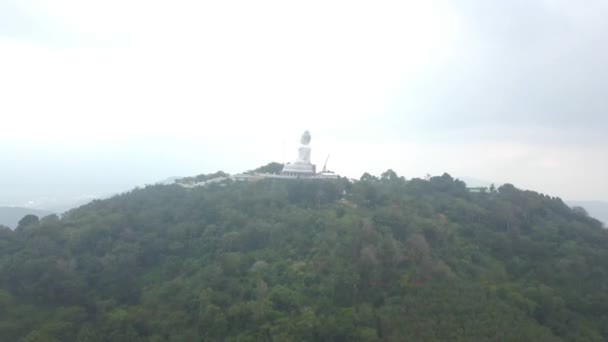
[[380, 259]]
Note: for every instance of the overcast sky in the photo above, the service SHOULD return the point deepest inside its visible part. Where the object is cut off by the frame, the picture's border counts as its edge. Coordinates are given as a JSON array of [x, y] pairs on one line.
[[100, 96]]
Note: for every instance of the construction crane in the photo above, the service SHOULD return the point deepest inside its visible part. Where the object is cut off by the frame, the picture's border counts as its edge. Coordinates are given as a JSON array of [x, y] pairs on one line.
[[325, 165]]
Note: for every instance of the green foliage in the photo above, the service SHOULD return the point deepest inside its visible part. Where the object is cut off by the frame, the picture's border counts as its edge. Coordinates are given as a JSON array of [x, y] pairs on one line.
[[382, 259], [27, 220], [271, 168], [202, 178]]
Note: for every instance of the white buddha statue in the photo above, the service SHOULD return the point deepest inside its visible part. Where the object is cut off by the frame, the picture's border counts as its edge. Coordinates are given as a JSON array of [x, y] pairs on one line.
[[304, 150], [302, 166]]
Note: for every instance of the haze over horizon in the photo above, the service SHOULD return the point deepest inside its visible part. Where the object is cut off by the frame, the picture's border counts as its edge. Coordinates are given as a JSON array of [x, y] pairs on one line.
[[100, 97]]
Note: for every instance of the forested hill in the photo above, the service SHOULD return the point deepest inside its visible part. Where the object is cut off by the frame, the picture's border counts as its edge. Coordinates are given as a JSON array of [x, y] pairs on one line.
[[382, 259]]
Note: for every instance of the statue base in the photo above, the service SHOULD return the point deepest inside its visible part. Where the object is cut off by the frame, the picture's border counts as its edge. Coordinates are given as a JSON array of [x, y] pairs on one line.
[[299, 170]]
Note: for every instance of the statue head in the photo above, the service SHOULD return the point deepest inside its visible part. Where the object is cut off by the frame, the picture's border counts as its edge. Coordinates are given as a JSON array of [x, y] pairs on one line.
[[305, 140]]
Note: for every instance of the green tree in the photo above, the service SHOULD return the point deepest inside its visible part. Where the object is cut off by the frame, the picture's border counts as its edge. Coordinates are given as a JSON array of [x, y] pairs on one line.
[[27, 220]]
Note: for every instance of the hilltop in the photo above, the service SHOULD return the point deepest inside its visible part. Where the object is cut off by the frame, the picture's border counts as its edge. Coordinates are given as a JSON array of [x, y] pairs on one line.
[[381, 259]]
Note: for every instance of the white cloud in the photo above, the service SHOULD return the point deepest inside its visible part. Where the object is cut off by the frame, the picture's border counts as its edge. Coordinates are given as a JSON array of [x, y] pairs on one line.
[[193, 65]]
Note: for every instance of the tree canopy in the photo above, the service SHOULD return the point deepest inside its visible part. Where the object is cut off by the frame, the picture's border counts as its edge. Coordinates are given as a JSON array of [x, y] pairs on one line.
[[381, 259]]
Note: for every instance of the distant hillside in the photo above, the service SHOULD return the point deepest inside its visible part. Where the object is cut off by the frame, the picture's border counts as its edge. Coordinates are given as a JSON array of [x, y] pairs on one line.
[[596, 209], [381, 259], [9, 216]]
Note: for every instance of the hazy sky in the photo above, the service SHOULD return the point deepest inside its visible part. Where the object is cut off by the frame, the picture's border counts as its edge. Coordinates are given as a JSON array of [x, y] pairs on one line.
[[100, 96]]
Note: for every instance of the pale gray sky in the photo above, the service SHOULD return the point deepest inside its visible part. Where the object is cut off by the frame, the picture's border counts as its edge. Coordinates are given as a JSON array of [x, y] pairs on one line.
[[99, 96]]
